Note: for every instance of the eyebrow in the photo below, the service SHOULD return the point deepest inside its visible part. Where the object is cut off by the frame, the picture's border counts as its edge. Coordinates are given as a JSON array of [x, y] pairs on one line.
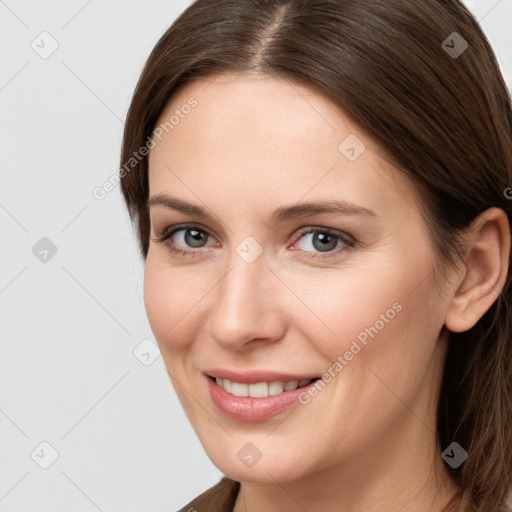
[[281, 214]]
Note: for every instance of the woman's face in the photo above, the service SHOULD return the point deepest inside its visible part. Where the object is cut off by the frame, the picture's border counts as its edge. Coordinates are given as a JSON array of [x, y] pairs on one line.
[[256, 292]]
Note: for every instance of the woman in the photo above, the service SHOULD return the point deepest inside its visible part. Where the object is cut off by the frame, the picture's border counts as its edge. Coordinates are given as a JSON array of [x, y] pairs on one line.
[[322, 195]]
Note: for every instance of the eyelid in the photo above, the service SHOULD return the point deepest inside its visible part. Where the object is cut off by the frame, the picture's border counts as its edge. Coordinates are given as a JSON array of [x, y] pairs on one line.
[[171, 230], [348, 240]]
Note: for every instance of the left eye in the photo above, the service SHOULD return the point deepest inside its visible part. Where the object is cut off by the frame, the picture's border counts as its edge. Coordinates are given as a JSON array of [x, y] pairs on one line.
[[323, 240]]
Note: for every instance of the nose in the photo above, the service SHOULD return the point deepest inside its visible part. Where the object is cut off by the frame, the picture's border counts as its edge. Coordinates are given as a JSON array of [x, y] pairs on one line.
[[247, 305]]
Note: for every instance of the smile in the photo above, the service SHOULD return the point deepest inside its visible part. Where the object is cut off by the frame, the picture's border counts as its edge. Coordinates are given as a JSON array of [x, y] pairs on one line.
[[255, 401], [260, 389]]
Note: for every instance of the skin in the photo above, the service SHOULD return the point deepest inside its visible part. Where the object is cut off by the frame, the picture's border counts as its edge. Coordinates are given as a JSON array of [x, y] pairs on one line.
[[367, 440]]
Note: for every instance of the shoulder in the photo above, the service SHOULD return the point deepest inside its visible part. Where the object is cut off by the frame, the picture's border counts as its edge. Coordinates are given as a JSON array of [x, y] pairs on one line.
[[219, 498]]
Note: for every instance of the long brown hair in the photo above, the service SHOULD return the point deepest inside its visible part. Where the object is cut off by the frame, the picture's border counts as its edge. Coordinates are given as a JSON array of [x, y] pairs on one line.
[[440, 111]]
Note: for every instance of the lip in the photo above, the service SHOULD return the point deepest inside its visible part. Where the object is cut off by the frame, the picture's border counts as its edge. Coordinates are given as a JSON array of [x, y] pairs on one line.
[[249, 409], [254, 376]]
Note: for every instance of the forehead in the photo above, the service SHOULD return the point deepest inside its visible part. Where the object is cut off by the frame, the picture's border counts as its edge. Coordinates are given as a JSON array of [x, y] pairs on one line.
[[262, 139]]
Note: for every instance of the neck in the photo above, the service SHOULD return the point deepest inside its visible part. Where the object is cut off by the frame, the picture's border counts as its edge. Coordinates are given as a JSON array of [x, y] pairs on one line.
[[406, 473]]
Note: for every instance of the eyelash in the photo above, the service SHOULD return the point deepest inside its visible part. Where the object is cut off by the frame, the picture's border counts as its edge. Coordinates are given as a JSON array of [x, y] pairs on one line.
[[170, 231]]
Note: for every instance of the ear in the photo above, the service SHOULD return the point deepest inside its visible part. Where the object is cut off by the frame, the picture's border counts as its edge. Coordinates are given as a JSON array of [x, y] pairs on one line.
[[485, 270]]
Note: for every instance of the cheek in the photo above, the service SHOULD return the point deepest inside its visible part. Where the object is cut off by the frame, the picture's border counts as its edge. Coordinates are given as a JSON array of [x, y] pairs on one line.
[[170, 297], [338, 308], [387, 335], [386, 314]]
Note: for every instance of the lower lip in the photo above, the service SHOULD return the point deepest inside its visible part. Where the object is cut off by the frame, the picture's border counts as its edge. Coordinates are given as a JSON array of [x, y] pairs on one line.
[[249, 409]]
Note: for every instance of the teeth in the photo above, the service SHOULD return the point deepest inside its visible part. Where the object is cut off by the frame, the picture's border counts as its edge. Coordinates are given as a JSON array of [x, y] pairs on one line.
[[240, 389], [227, 385], [294, 384], [276, 387], [260, 389]]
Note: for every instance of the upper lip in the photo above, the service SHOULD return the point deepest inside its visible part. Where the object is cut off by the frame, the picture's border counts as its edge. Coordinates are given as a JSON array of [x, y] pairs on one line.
[[254, 376]]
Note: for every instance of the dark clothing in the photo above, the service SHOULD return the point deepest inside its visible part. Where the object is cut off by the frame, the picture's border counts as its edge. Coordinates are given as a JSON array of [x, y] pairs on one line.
[[219, 498]]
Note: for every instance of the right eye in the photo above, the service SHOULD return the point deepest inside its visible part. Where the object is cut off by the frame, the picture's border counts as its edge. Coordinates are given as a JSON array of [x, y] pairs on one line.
[[191, 236]]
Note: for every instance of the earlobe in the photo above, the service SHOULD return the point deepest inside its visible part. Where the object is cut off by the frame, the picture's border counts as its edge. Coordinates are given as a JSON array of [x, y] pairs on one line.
[[486, 267]]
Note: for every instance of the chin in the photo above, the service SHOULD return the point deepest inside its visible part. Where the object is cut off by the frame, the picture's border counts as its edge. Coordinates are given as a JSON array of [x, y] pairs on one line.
[[268, 469]]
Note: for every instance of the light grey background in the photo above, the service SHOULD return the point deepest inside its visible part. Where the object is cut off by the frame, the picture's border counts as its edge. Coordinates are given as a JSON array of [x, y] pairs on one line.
[[71, 327]]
